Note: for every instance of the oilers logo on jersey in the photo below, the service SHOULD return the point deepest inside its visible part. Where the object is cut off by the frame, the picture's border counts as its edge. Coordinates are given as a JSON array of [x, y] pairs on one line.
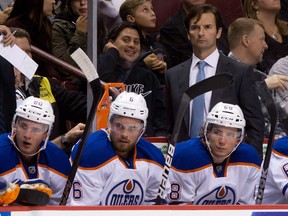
[[222, 195], [127, 192]]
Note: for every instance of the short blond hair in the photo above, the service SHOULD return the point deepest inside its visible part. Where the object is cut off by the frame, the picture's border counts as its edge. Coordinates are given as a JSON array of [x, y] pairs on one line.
[[128, 7], [238, 28]]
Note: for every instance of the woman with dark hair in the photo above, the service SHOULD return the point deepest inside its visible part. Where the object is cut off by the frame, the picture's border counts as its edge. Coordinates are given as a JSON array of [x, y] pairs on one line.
[[69, 29], [32, 15], [69, 32]]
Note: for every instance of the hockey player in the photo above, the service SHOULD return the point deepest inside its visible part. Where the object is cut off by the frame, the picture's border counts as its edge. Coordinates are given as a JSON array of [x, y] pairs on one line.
[[276, 183], [27, 154], [118, 167], [216, 168]]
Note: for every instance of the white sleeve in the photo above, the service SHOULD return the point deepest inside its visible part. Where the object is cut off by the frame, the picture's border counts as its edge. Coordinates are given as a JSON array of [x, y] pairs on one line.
[[86, 188], [183, 187], [279, 172], [249, 194], [154, 180]]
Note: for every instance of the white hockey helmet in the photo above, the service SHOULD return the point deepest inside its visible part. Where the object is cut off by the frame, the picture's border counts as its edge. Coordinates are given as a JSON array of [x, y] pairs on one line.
[[227, 115], [130, 104], [37, 110]]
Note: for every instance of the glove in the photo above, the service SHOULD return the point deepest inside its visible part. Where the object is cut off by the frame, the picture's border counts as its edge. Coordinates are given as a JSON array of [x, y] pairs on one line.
[[34, 184], [8, 192]]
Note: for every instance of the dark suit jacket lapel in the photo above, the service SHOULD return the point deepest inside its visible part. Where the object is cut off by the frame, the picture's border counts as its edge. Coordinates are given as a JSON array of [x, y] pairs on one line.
[[222, 67], [183, 84]]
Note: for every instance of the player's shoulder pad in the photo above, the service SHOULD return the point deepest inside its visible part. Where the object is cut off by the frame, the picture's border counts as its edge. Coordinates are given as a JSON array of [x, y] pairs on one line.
[[97, 151], [146, 150], [8, 154], [191, 155], [280, 145], [55, 158], [245, 153]]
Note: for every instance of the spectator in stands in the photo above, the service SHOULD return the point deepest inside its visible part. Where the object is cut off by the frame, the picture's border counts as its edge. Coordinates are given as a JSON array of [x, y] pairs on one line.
[[216, 168], [203, 24], [276, 31], [173, 35], [33, 17], [247, 43], [141, 13], [7, 82], [118, 63], [69, 32], [118, 167], [26, 152], [67, 104]]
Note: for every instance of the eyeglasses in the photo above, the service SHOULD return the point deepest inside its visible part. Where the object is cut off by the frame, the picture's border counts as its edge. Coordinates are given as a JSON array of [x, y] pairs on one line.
[[120, 128], [33, 130], [228, 135]]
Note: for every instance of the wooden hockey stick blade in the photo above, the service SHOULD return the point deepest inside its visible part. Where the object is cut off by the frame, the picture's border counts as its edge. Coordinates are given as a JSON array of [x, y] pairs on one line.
[[32, 197], [209, 84], [267, 100], [92, 76]]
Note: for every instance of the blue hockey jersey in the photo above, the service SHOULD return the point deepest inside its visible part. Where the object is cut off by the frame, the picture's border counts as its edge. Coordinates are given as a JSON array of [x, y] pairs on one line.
[[52, 166], [103, 178], [196, 179]]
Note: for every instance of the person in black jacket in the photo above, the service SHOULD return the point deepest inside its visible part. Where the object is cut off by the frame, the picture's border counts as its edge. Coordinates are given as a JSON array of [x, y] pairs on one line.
[[7, 89], [7, 93], [119, 63]]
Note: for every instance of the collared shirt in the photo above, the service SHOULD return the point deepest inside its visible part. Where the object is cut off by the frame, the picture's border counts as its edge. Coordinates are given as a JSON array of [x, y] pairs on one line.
[[210, 70]]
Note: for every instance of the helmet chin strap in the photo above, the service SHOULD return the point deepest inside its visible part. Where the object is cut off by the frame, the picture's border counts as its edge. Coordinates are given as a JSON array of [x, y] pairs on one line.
[[222, 158], [29, 155]]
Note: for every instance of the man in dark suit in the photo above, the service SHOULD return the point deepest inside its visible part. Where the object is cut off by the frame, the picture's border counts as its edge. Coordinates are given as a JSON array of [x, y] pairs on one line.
[[204, 26], [174, 30]]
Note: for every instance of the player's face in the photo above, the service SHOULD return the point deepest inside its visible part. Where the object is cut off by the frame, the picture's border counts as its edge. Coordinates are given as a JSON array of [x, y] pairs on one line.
[[124, 133], [222, 141], [128, 45], [257, 45], [29, 135], [144, 15], [48, 7], [203, 35], [79, 7]]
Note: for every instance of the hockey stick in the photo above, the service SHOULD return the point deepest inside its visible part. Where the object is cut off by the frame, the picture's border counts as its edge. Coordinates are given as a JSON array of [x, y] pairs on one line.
[[209, 84], [92, 76], [267, 100]]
